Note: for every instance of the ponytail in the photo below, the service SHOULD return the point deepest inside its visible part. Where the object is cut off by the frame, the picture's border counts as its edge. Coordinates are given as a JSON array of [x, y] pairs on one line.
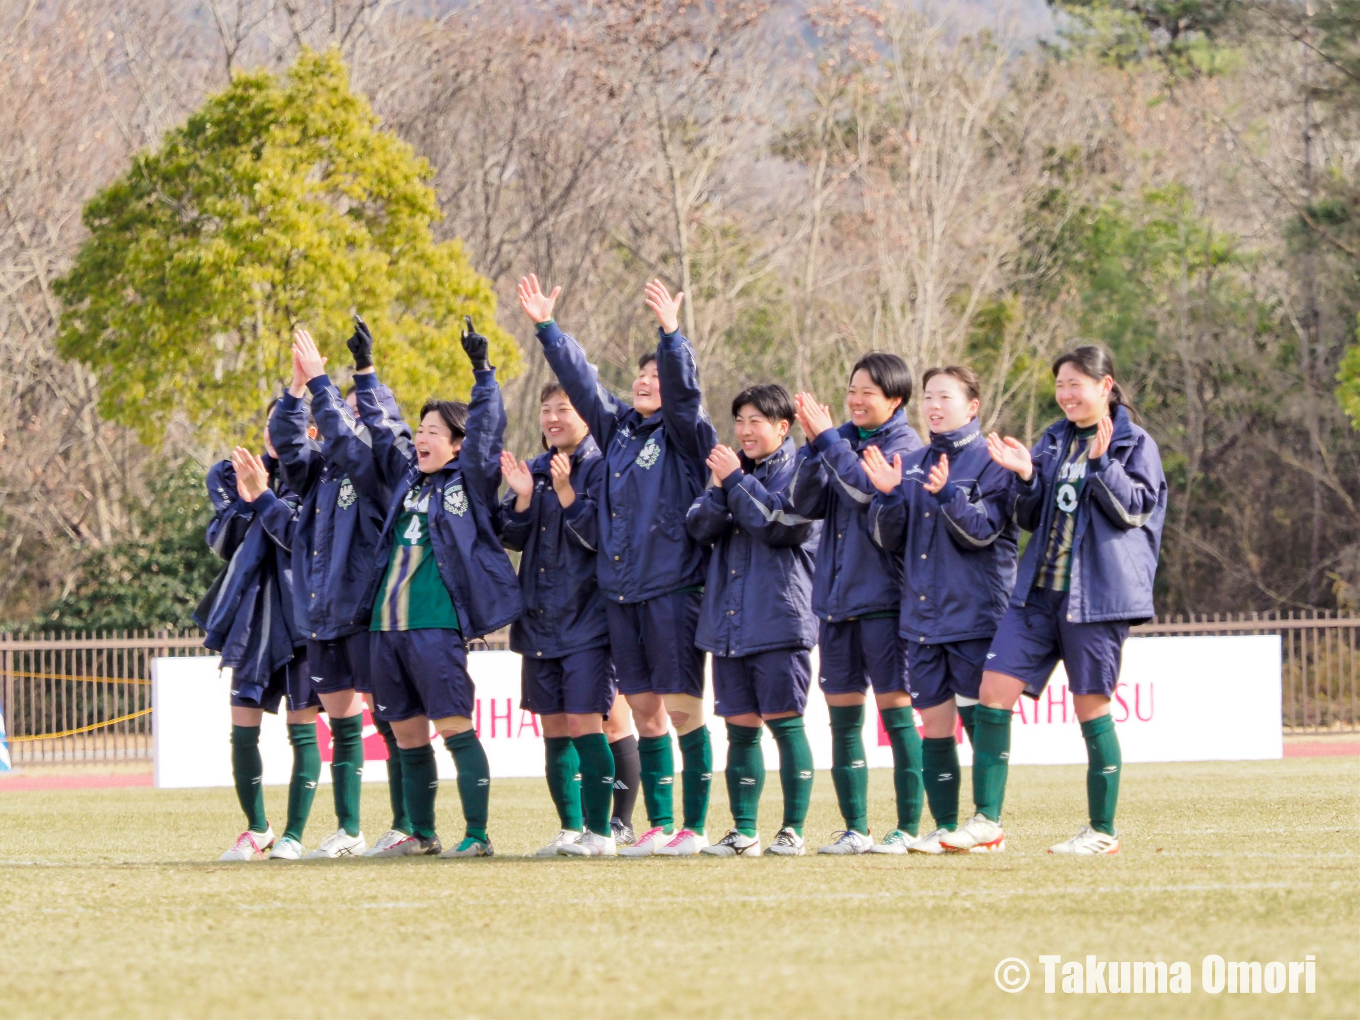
[[1095, 362]]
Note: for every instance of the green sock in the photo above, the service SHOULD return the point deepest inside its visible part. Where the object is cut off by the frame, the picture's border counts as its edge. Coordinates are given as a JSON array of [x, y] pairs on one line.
[[247, 770], [1104, 762], [596, 782], [966, 717], [696, 757], [474, 780], [940, 771], [306, 772], [991, 759], [658, 779], [848, 771], [420, 784], [795, 769], [906, 748], [563, 765], [745, 776], [347, 770], [395, 793]]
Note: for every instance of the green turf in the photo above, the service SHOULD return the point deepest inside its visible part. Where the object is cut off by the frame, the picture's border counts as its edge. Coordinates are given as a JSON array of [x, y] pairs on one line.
[[114, 905]]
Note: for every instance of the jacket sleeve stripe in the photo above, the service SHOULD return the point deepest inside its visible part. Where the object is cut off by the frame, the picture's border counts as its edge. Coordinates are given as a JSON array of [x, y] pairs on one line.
[[1132, 520], [854, 493], [772, 516], [577, 535]]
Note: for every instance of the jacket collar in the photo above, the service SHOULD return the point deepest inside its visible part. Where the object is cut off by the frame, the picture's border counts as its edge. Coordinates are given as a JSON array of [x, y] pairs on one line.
[[1063, 429], [887, 430], [953, 442], [779, 457]]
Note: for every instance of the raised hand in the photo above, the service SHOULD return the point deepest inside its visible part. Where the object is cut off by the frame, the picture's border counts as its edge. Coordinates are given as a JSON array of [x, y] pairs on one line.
[[475, 346], [360, 344], [1011, 454], [665, 307], [1100, 442], [560, 466], [722, 461], [939, 475], [312, 363], [537, 305], [298, 387], [815, 418], [252, 478], [885, 476]]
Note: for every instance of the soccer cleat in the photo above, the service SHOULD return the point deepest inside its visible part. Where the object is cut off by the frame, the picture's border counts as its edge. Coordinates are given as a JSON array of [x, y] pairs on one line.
[[623, 832], [386, 841], [685, 843], [787, 843], [339, 844], [978, 835], [287, 849], [1087, 843], [646, 844], [250, 846], [587, 844], [734, 844], [469, 846], [929, 843], [895, 842], [848, 841], [411, 846], [563, 837]]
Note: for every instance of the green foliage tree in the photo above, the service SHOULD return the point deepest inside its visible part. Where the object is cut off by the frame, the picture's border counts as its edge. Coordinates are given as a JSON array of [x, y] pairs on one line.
[[280, 203]]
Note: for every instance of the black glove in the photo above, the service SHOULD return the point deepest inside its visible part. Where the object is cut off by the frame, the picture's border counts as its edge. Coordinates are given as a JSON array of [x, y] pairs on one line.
[[475, 344], [360, 344]]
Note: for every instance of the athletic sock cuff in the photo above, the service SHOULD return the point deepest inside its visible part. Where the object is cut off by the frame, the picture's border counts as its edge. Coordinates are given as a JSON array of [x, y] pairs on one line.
[[897, 718], [737, 734], [937, 743], [694, 739], [792, 724], [302, 734], [1095, 727], [245, 736], [417, 755], [460, 741], [647, 744], [995, 716], [349, 728], [846, 716]]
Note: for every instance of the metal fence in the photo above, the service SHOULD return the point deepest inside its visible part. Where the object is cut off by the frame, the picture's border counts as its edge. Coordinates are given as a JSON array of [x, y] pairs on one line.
[[79, 697]]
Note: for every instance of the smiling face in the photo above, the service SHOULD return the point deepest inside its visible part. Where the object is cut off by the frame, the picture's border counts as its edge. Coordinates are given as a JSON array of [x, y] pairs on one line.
[[435, 443], [647, 390], [759, 436], [946, 405], [1084, 400], [563, 429], [869, 406]]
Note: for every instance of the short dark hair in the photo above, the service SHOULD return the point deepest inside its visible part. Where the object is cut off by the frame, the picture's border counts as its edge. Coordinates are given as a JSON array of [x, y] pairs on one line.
[[1095, 362], [888, 372], [551, 390], [646, 360], [966, 376], [770, 399], [453, 412]]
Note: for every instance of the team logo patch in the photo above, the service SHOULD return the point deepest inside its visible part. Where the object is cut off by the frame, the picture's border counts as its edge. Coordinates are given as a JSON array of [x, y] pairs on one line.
[[1067, 497], [455, 500], [347, 495], [649, 454]]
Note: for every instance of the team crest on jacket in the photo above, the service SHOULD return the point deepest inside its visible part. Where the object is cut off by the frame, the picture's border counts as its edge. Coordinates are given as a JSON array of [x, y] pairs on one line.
[[455, 500], [346, 497], [649, 453]]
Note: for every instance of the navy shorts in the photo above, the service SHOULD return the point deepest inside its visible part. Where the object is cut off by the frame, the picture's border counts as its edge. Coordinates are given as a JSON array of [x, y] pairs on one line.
[[856, 654], [937, 673], [290, 681], [1032, 639], [420, 672], [579, 683], [765, 683], [340, 665], [652, 644]]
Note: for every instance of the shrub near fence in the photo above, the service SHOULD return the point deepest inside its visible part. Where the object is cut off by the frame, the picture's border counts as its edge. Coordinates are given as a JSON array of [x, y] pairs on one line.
[[78, 697]]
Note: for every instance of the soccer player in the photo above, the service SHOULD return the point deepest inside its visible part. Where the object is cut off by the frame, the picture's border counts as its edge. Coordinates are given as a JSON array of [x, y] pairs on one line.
[[441, 577], [1093, 493], [946, 511], [549, 515], [757, 616], [857, 590], [650, 570]]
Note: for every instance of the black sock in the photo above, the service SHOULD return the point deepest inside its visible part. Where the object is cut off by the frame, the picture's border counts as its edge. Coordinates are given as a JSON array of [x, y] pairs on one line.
[[627, 777]]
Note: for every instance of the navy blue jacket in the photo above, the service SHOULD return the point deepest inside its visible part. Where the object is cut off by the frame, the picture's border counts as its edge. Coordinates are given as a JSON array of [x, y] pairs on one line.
[[958, 546], [563, 608], [462, 515], [654, 468], [758, 595], [1119, 523], [854, 576], [248, 612], [342, 508]]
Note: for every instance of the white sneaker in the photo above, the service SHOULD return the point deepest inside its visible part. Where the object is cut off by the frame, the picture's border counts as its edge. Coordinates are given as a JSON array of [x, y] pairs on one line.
[[287, 849], [895, 842], [646, 844], [339, 844], [787, 843], [685, 843], [849, 842], [587, 844], [250, 846], [929, 843], [386, 841], [470, 846], [409, 846], [563, 837], [978, 835], [1086, 843], [734, 844]]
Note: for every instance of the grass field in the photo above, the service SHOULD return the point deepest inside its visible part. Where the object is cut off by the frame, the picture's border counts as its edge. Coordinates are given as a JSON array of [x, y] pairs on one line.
[[114, 905]]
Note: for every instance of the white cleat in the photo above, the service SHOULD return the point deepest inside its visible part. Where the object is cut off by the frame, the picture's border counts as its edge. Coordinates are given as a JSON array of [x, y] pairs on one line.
[[386, 841], [563, 838], [685, 843], [646, 844], [287, 849], [929, 843], [587, 844], [848, 841], [250, 846], [1087, 843], [895, 842], [978, 835], [410, 846], [787, 843], [470, 846], [339, 844], [734, 844]]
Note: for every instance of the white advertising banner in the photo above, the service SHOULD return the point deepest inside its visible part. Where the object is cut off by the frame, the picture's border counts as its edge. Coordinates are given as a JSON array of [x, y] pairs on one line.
[[1168, 687]]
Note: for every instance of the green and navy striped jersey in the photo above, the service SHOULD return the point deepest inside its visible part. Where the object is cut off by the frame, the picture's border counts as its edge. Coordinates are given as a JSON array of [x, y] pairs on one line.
[[413, 596], [1055, 573]]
